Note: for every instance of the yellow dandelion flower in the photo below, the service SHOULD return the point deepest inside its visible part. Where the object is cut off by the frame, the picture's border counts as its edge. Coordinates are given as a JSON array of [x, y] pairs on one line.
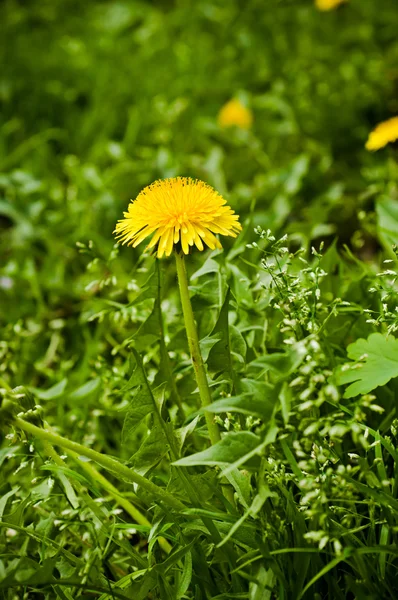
[[234, 113], [385, 132], [179, 210], [327, 4]]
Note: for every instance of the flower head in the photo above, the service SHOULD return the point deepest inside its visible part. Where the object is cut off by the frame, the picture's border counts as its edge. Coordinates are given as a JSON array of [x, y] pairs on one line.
[[177, 210], [235, 113], [385, 132], [328, 4]]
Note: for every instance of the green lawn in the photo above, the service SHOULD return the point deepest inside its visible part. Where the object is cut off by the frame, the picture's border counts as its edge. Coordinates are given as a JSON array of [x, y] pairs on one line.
[[112, 481]]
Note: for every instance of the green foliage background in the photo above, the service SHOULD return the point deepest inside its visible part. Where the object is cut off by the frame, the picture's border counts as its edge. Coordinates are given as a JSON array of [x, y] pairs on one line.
[[98, 99]]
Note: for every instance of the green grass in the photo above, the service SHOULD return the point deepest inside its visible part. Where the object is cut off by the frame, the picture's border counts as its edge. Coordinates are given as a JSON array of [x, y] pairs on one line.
[[296, 318]]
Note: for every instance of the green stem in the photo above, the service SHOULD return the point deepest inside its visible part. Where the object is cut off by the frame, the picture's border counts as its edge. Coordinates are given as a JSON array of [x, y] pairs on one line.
[[194, 348], [106, 461]]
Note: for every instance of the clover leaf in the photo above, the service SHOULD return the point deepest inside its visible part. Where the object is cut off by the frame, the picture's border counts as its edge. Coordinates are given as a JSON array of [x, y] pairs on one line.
[[376, 362]]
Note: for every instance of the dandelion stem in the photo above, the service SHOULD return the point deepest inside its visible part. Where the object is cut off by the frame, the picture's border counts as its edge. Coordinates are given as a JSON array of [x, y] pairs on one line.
[[106, 461], [194, 348]]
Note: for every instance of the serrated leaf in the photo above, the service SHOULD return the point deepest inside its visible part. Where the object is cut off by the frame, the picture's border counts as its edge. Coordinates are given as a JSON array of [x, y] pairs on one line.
[[219, 358], [142, 402], [376, 363], [205, 482], [232, 447], [150, 331], [151, 451], [146, 402], [149, 288]]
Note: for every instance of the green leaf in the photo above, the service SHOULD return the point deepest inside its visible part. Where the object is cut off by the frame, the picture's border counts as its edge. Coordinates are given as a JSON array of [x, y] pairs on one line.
[[84, 391], [149, 289], [8, 452], [183, 432], [282, 363], [209, 266], [56, 391], [240, 481], [252, 511], [387, 221], [150, 330], [4, 500], [151, 451], [186, 576], [207, 343], [231, 448], [247, 404], [241, 285], [69, 491], [238, 344], [29, 572], [205, 482], [142, 402], [219, 358], [295, 174], [376, 362]]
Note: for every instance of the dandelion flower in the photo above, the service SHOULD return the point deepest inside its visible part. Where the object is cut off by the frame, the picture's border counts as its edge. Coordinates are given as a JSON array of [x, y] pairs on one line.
[[385, 132], [179, 210], [328, 4], [235, 113]]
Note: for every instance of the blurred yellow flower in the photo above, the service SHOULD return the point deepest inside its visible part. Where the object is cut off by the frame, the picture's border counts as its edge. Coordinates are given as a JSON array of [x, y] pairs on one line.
[[328, 4], [235, 113], [177, 210], [385, 132]]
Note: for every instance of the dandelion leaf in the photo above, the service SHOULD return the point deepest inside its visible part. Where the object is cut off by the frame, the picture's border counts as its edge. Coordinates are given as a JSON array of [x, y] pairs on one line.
[[142, 403], [151, 451], [219, 358], [151, 329], [376, 362]]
